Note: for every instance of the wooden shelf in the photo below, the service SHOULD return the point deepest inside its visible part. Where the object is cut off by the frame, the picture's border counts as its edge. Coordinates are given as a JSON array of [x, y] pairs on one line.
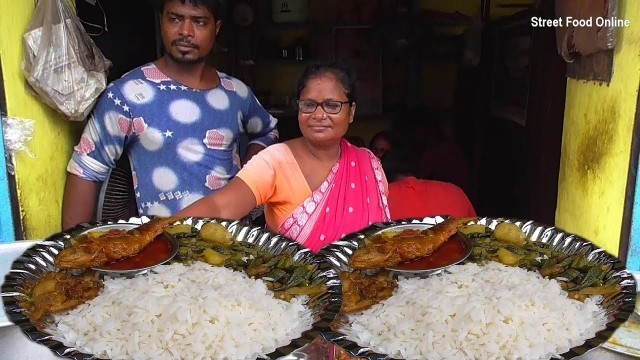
[[312, 26], [279, 62], [285, 62]]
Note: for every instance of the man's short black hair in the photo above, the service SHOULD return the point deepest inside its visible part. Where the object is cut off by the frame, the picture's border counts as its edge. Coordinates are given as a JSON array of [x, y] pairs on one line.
[[397, 163], [216, 7]]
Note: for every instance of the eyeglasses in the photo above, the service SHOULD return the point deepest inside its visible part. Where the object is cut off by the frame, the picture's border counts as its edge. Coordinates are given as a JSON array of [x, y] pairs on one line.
[[329, 106]]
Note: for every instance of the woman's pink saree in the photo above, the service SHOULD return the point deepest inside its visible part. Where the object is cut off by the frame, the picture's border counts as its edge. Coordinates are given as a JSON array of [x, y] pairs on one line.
[[351, 198]]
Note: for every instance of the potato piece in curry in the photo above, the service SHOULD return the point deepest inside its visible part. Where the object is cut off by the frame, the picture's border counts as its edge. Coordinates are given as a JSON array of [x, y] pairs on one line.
[[56, 292], [360, 292]]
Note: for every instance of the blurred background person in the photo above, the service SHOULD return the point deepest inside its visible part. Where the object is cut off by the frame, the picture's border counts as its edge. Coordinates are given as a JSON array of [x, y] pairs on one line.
[[442, 157], [410, 197], [380, 143]]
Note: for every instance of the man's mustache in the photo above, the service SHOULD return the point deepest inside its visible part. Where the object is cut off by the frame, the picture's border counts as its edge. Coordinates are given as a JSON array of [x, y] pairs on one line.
[[184, 42]]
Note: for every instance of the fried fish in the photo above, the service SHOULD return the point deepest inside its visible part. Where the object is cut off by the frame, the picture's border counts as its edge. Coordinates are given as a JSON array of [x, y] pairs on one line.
[[405, 246], [89, 251]]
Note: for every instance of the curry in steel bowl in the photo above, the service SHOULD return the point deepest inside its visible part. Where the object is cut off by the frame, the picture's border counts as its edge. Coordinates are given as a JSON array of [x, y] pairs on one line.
[[290, 270], [454, 250], [160, 250]]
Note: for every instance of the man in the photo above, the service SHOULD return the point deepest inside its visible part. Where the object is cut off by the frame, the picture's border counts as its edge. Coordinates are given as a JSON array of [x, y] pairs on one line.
[[416, 198], [178, 119]]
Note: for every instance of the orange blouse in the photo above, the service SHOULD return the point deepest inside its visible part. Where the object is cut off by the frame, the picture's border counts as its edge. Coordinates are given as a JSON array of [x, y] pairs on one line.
[[276, 180]]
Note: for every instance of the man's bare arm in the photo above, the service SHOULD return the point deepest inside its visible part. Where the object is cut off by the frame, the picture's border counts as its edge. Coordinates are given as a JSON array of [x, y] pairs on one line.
[[252, 149], [79, 202]]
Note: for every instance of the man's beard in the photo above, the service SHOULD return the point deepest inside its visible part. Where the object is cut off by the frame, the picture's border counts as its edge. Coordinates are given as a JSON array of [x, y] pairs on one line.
[[181, 59]]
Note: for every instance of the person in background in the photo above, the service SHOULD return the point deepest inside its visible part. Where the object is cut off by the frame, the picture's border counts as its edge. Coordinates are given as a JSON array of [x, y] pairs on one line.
[[177, 119], [356, 140], [380, 143], [410, 197], [316, 188], [443, 157]]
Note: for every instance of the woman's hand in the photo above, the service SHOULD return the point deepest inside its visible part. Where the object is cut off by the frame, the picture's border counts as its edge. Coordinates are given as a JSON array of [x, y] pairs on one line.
[[232, 202]]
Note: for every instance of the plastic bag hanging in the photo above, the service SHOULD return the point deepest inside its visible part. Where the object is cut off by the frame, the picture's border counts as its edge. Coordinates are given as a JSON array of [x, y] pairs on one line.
[[16, 133], [61, 63]]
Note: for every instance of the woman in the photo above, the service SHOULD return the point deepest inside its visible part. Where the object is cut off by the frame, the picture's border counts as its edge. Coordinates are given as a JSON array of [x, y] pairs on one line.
[[315, 188]]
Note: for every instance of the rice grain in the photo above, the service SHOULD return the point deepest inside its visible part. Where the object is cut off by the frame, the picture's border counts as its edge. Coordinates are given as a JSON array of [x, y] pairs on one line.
[[180, 312], [477, 312]]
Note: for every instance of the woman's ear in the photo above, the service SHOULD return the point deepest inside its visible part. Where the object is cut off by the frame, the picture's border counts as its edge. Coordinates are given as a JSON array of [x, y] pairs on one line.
[[353, 112]]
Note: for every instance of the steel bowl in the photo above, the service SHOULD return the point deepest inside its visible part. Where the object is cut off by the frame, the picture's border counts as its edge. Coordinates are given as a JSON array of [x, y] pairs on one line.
[[133, 271], [429, 271]]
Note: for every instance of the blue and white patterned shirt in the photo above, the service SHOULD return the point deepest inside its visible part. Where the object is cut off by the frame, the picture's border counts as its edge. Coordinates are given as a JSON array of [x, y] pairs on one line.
[[182, 142]]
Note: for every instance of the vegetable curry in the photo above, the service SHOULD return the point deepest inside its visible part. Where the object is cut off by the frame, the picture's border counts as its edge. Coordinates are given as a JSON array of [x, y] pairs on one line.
[[508, 244]]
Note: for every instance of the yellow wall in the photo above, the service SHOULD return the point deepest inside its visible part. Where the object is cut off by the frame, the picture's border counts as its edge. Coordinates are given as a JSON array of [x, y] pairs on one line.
[[596, 143], [40, 180]]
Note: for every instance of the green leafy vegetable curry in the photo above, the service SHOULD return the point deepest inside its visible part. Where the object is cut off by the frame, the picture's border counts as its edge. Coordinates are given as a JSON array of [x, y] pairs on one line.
[[507, 244]]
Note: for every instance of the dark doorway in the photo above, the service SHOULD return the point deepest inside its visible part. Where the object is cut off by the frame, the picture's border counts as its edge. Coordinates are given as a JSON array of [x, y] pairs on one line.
[[519, 129], [124, 30]]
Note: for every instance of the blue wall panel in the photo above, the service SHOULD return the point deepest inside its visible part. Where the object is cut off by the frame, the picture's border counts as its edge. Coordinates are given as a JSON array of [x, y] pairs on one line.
[[633, 258], [7, 233]]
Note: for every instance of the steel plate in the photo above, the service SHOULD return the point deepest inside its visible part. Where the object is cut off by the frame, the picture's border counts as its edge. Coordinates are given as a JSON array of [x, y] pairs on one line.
[[40, 258], [618, 308]]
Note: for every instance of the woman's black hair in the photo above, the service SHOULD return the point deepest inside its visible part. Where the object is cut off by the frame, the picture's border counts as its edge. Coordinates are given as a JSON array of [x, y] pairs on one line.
[[341, 72], [216, 7]]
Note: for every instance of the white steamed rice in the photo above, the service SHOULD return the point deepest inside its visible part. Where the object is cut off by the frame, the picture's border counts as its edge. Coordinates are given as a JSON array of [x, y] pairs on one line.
[[477, 312], [179, 312]]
